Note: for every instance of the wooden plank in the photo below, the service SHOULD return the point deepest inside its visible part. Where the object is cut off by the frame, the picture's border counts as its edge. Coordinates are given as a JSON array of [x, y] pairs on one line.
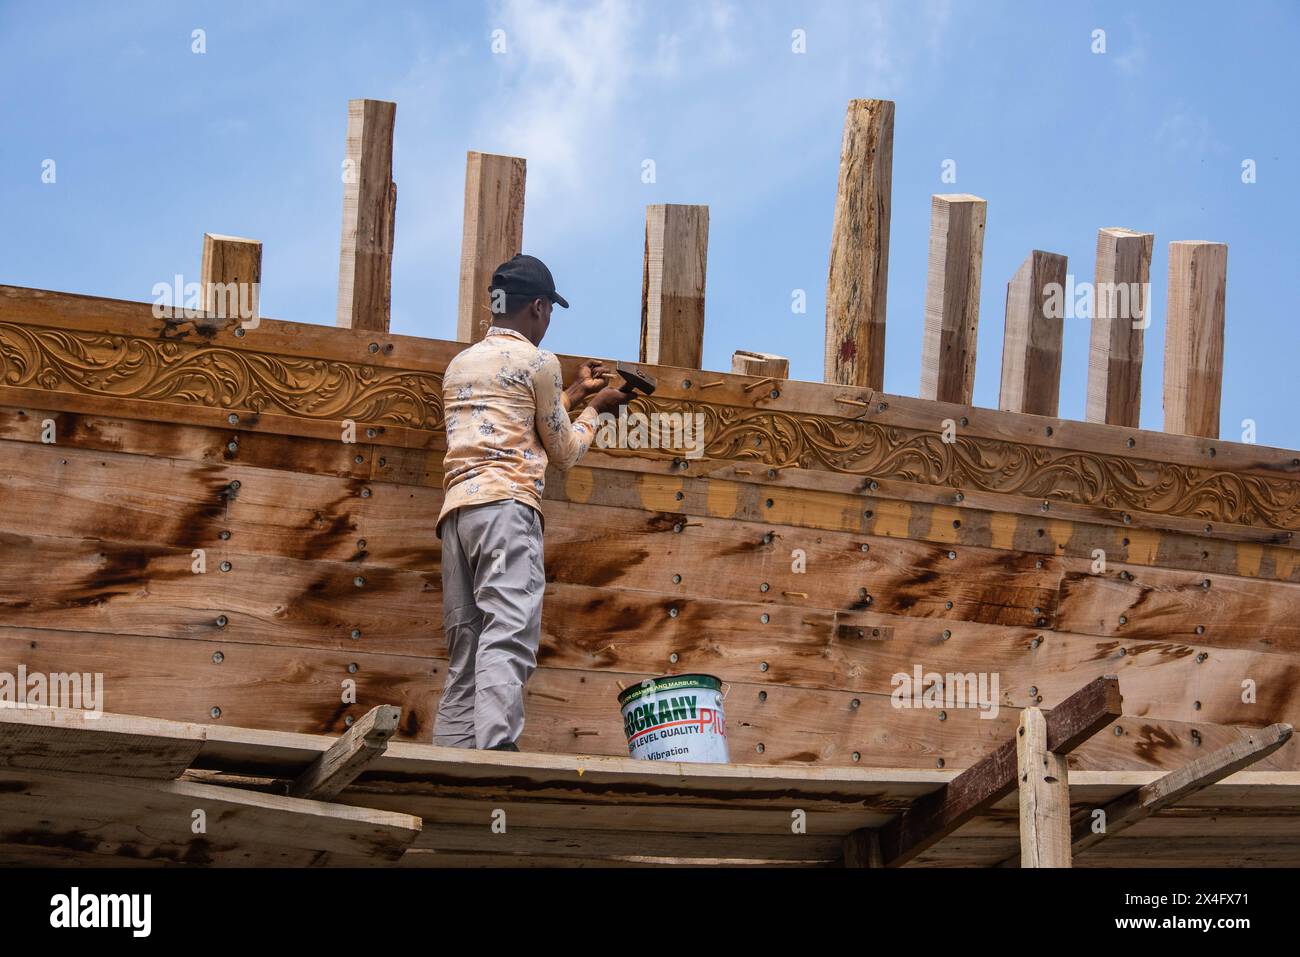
[[231, 277], [857, 283], [64, 739], [115, 817], [221, 682], [938, 814], [744, 362], [1031, 341], [952, 297], [1044, 792], [1198, 279], [1137, 806], [1120, 291], [369, 198], [672, 288], [493, 233], [338, 767]]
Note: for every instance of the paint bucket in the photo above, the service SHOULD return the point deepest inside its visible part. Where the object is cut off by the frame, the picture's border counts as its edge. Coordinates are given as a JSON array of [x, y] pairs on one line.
[[675, 718]]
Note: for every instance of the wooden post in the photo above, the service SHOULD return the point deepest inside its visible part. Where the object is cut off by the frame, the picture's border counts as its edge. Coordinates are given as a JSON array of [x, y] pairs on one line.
[[230, 277], [369, 198], [859, 268], [493, 233], [1044, 796], [672, 289], [1031, 338], [952, 297], [1119, 316], [744, 362], [935, 815], [1198, 279]]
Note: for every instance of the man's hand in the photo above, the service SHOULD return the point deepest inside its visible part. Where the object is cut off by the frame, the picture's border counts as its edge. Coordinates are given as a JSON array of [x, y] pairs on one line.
[[608, 400], [590, 380]]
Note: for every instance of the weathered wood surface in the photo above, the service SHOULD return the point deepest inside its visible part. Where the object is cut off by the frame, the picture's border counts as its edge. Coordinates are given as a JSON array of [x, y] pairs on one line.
[[932, 818], [673, 282], [493, 233], [1031, 338], [857, 283], [564, 808], [369, 211], [1043, 789], [952, 298], [975, 556], [1194, 318], [99, 816], [1119, 320]]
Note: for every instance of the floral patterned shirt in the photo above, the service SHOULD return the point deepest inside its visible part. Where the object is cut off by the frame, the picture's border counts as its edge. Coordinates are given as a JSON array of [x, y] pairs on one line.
[[505, 422]]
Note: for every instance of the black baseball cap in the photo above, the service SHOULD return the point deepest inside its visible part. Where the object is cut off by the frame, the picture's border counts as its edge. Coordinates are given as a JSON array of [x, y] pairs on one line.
[[526, 276]]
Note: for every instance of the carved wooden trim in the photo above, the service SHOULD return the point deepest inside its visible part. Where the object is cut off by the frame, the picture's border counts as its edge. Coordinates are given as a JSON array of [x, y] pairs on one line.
[[115, 366]]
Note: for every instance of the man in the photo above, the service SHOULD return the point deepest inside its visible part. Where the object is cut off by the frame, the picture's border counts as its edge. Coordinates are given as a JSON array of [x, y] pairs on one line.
[[507, 418]]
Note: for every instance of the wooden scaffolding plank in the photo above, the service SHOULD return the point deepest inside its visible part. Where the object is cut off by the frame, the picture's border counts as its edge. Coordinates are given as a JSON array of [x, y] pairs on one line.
[[493, 233], [857, 284], [104, 816], [1194, 316], [351, 754], [952, 297], [66, 739]]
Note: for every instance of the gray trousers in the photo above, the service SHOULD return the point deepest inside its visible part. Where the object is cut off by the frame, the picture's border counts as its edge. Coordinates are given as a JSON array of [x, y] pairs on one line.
[[492, 584]]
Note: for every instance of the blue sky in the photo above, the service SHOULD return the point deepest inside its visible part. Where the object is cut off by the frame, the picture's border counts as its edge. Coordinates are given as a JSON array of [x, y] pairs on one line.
[[155, 145]]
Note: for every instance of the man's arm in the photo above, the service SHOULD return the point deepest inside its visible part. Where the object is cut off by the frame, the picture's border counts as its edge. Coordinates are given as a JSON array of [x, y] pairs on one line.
[[564, 442]]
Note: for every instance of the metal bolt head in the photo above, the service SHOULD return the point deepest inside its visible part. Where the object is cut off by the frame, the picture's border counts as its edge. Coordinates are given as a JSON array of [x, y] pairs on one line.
[[677, 579], [226, 566], [1033, 691], [946, 634], [943, 715], [764, 586], [232, 446], [1123, 619], [764, 618], [762, 696], [359, 581], [236, 485], [222, 621], [763, 666], [215, 712], [352, 667], [348, 720], [673, 657], [857, 756], [232, 418], [361, 543], [356, 633], [864, 547], [759, 747], [224, 535], [855, 704], [373, 347], [952, 555], [1118, 731], [218, 657], [365, 493], [672, 612]]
